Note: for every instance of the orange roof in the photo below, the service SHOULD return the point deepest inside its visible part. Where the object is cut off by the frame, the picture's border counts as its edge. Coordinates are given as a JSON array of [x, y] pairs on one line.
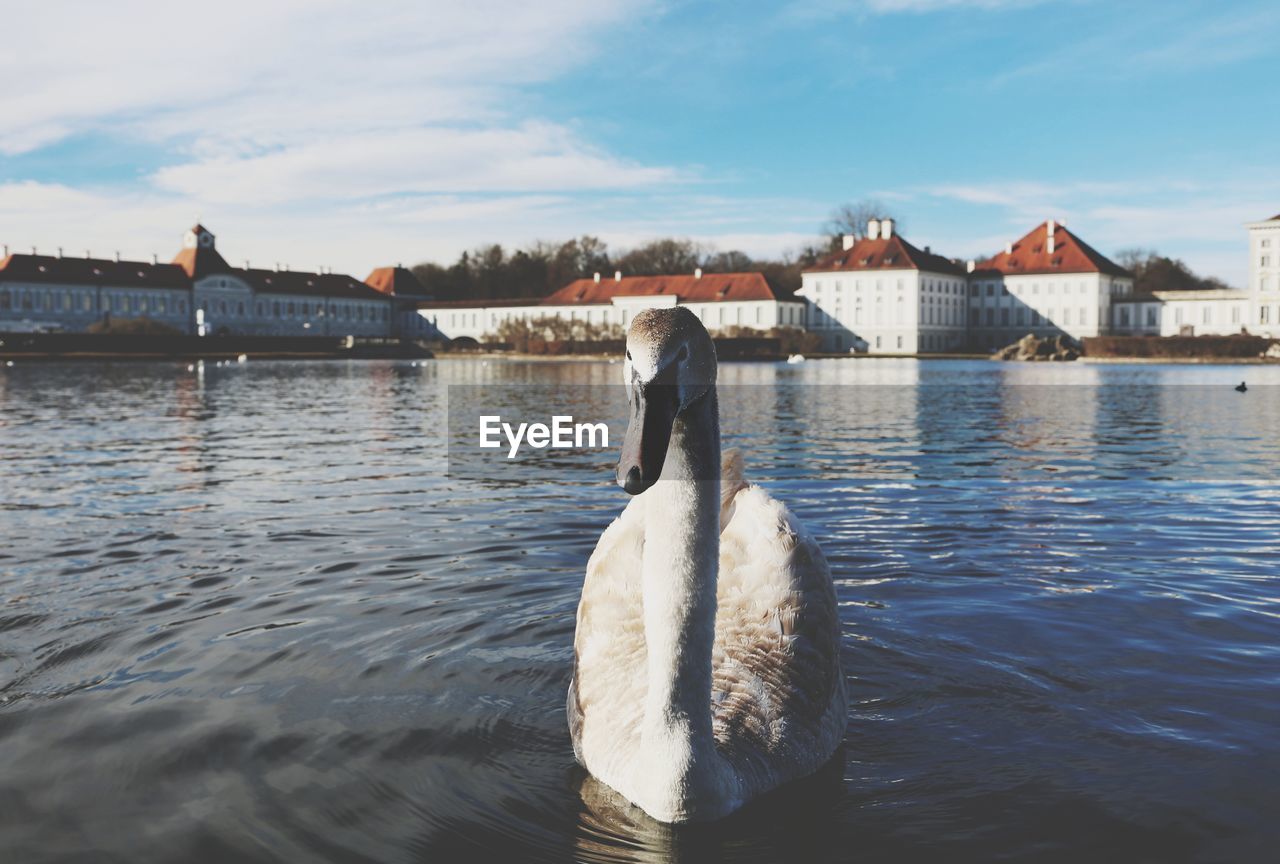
[[201, 261], [19, 267], [1070, 255], [891, 253], [395, 280], [708, 288]]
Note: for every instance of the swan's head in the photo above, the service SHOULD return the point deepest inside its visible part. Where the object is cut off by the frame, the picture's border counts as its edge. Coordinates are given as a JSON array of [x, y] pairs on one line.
[[671, 364]]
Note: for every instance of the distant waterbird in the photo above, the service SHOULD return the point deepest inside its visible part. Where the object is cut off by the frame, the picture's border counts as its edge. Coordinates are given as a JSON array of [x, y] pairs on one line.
[[1243, 388]]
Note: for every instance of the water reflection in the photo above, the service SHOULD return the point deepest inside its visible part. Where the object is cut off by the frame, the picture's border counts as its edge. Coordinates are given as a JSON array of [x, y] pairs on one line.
[[247, 614]]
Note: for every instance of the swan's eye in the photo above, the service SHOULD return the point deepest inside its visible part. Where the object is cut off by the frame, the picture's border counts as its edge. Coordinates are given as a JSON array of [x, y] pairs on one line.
[[682, 354], [628, 354]]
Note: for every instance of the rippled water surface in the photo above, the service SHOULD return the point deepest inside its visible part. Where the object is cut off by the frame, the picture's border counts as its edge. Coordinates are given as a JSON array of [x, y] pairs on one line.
[[249, 615]]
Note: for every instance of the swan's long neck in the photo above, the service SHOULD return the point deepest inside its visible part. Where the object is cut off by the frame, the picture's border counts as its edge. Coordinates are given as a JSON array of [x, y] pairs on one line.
[[681, 559]]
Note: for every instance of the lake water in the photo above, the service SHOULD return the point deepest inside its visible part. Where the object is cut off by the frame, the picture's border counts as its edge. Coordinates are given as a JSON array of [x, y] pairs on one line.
[[255, 613]]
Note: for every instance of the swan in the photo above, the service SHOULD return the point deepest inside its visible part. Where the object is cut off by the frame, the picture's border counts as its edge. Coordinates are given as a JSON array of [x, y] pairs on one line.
[[707, 645]]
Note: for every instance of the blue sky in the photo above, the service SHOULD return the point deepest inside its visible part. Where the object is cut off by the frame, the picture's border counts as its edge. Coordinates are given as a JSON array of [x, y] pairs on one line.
[[350, 135]]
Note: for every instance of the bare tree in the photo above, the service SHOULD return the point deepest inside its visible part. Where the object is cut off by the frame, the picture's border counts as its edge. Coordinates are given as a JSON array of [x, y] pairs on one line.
[[852, 219]]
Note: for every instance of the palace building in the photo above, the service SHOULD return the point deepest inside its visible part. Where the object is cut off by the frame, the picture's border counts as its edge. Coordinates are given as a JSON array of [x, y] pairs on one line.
[[883, 295], [720, 300], [200, 293]]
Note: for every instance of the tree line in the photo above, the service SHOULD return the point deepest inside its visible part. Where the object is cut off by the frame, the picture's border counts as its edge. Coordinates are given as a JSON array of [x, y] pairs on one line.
[[493, 271], [1155, 272]]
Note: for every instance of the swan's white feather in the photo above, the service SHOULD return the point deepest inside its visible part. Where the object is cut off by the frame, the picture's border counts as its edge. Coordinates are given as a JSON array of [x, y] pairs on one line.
[[778, 701]]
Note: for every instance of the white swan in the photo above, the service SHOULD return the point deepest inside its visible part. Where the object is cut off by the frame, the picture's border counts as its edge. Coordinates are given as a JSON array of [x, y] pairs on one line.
[[707, 651]]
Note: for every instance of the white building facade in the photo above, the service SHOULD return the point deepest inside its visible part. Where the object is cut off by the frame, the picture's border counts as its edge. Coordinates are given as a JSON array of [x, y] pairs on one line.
[[1048, 282], [1264, 276], [882, 295], [720, 300]]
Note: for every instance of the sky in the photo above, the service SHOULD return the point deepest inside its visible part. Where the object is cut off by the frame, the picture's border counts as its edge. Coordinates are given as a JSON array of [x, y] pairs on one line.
[[353, 135]]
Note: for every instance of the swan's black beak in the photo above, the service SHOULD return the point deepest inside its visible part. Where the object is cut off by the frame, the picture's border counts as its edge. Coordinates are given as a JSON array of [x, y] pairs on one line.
[[653, 412]]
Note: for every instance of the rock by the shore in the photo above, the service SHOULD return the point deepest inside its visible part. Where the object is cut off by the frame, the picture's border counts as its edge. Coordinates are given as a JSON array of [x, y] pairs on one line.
[[1032, 347]]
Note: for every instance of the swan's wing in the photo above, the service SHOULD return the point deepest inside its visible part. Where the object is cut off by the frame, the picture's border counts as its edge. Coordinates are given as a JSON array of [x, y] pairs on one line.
[[608, 685], [779, 701]]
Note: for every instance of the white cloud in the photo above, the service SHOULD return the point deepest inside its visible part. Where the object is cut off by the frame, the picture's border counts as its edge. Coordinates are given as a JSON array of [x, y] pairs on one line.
[[528, 157], [808, 10]]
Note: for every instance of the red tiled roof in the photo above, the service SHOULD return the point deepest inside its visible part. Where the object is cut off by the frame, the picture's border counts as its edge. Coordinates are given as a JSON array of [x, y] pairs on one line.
[[891, 253], [92, 271], [709, 288], [395, 280], [201, 261], [1070, 255]]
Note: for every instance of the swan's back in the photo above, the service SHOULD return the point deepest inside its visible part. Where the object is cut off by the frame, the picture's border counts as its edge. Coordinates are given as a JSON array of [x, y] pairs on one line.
[[778, 692]]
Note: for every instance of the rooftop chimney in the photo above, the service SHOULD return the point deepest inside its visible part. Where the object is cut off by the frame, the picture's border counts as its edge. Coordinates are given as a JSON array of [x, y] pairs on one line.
[[617, 275], [697, 273], [5, 253], [597, 277], [59, 251], [155, 259], [886, 228], [970, 266], [88, 253], [33, 251], [246, 263], [873, 229], [1008, 248], [846, 242], [1051, 227], [277, 266], [117, 256]]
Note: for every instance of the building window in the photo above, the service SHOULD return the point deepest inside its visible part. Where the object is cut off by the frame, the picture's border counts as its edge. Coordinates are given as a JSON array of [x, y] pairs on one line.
[[899, 343], [160, 306], [289, 309], [1151, 316], [877, 342], [1206, 317], [5, 301], [240, 308], [1262, 314], [1265, 262], [275, 308], [1177, 315], [1004, 317], [1235, 314], [88, 302]]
